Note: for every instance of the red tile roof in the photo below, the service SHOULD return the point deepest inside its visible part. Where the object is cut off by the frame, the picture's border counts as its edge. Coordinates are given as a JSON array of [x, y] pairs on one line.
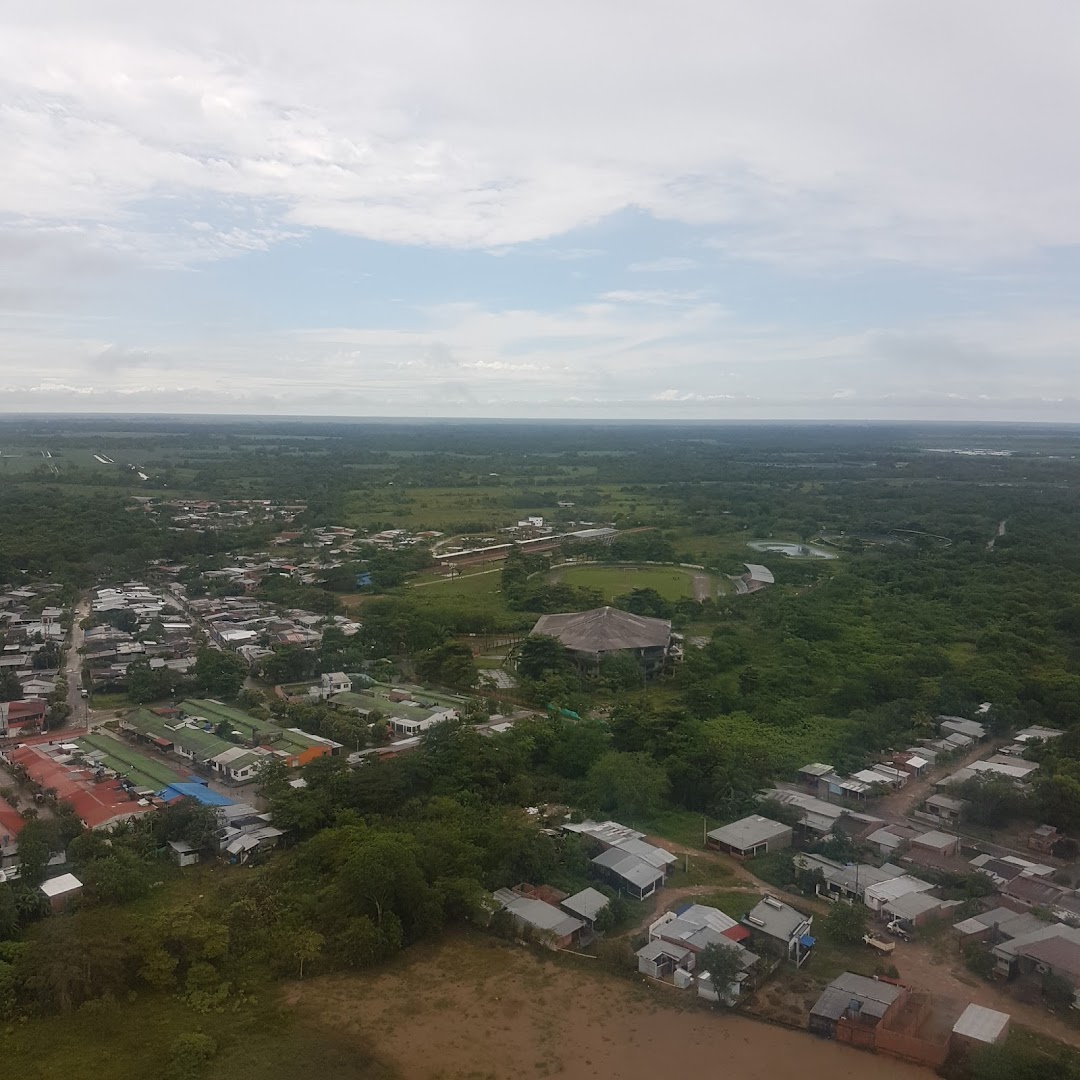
[[96, 803], [11, 821]]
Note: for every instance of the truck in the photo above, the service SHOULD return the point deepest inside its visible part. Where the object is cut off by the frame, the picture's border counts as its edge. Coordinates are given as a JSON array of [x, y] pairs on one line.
[[897, 929], [883, 947]]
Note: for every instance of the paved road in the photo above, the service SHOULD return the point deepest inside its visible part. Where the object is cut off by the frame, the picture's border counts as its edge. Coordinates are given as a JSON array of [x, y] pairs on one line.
[[73, 665]]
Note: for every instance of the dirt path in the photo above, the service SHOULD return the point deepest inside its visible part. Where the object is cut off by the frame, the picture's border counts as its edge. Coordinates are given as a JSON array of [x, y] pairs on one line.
[[703, 587], [942, 971], [900, 803]]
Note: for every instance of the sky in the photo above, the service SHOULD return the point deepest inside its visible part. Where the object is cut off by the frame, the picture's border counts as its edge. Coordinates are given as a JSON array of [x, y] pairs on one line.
[[473, 208]]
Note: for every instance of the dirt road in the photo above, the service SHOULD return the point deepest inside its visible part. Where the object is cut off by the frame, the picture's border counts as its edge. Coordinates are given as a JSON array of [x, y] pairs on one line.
[[704, 589], [942, 971], [899, 804]]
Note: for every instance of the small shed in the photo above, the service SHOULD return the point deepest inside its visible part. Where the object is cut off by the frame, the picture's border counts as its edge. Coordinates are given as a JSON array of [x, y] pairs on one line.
[[59, 891], [979, 1026], [660, 958], [182, 853]]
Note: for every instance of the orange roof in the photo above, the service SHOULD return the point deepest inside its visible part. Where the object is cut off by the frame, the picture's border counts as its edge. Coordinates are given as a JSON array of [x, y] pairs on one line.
[[96, 803], [11, 821]]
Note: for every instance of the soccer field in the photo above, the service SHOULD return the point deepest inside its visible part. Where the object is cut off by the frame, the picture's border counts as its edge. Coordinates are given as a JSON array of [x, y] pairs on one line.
[[671, 582]]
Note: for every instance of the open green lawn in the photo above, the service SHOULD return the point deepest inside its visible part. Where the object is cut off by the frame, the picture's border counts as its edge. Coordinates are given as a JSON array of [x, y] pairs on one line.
[[671, 582], [475, 593]]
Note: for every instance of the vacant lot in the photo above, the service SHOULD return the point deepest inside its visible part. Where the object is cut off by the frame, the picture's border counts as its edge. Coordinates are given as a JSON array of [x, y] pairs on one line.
[[475, 1008], [671, 582]]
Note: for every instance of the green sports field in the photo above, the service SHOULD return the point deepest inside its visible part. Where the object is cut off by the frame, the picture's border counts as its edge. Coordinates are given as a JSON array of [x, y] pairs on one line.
[[671, 582]]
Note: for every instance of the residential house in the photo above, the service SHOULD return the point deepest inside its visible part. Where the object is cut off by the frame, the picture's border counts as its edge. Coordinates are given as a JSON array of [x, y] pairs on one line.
[[852, 1006], [17, 716], [628, 873], [937, 842], [586, 905], [876, 897], [1053, 949], [811, 774], [896, 778], [834, 786], [945, 807], [613, 836], [1043, 839], [916, 909], [60, 891], [555, 928], [846, 881], [878, 778], [779, 924], [890, 838], [697, 926], [1037, 733], [958, 725], [335, 682], [997, 924], [818, 816], [754, 835]]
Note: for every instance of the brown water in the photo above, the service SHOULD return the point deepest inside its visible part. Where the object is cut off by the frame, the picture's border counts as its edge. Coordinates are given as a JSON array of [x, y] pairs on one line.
[[475, 1009]]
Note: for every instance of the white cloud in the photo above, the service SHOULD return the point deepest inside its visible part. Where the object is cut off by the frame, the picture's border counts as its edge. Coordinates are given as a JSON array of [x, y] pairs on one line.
[[667, 265], [799, 132], [594, 358]]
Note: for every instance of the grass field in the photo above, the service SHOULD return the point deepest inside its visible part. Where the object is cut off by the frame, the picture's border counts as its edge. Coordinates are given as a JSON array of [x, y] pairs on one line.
[[476, 593], [671, 582]]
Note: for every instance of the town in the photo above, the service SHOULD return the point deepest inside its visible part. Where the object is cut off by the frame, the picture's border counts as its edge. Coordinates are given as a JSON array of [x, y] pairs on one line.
[[609, 736]]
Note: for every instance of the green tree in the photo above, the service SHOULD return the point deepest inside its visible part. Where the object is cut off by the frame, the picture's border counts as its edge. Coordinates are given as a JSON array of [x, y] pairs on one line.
[[189, 1055], [9, 912], [10, 687], [451, 664], [35, 848], [622, 671], [723, 964], [219, 673], [630, 784], [541, 655], [846, 923], [306, 946], [119, 878]]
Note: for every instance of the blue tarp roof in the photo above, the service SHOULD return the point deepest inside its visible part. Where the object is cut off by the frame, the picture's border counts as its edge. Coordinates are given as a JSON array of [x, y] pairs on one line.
[[198, 792], [807, 942]]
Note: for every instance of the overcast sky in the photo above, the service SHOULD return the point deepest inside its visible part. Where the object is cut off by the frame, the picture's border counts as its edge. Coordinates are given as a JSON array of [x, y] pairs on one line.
[[687, 208]]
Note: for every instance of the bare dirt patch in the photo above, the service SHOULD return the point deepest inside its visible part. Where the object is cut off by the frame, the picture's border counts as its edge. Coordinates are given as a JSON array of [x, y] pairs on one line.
[[474, 1008]]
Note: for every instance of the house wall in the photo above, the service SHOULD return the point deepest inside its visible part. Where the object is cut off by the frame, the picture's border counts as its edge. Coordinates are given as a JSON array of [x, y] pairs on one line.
[[648, 967], [911, 1048], [856, 1033]]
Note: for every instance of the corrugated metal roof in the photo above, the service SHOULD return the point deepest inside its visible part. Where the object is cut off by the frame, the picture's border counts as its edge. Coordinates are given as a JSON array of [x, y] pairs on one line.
[[982, 1024]]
